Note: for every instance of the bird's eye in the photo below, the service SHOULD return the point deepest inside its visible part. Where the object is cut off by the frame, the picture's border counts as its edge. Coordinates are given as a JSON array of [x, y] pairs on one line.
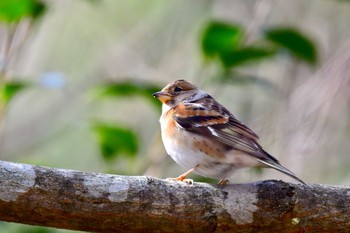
[[177, 89]]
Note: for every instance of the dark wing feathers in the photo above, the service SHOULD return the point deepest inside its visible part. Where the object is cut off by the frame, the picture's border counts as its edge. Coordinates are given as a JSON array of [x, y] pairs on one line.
[[228, 134], [219, 123]]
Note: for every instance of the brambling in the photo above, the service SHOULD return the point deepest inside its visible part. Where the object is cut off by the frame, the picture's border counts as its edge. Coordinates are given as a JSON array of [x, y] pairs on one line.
[[204, 137]]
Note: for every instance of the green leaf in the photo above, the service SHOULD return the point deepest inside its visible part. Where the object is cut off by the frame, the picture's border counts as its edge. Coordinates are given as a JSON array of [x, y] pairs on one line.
[[15, 10], [115, 140], [295, 42], [35, 229], [129, 88], [220, 38], [9, 90], [244, 55]]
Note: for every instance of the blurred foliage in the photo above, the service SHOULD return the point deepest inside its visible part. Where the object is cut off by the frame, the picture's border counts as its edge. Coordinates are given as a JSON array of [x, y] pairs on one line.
[[226, 42], [9, 90], [114, 140], [295, 42], [15, 10], [37, 230], [12, 12], [220, 38], [128, 88], [20, 228], [244, 55]]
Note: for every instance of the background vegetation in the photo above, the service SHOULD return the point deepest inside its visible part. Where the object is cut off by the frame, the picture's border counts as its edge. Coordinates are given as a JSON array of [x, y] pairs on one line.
[[76, 79]]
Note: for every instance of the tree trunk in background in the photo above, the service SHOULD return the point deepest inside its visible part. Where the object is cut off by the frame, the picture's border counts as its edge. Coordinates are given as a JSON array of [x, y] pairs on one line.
[[110, 203]]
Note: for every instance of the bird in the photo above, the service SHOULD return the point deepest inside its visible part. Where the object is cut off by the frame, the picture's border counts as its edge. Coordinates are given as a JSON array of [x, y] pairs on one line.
[[205, 138]]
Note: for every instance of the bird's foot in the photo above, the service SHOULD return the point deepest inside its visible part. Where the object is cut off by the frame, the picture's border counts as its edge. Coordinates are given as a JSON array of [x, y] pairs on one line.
[[182, 179], [224, 182]]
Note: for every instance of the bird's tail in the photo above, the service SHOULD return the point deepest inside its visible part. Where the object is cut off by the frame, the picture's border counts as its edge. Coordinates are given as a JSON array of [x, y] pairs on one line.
[[276, 165]]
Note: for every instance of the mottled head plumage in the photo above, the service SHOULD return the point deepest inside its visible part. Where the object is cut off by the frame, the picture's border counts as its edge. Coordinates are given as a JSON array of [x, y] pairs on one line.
[[175, 92], [179, 87]]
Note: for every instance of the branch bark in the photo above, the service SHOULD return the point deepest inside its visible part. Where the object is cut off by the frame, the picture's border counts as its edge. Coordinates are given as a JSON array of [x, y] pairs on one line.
[[110, 203]]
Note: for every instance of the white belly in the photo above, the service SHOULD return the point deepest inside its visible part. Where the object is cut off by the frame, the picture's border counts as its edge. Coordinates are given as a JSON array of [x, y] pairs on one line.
[[182, 152]]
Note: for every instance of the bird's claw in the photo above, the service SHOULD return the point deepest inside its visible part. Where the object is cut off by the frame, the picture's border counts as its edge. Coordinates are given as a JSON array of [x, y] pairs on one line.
[[187, 181], [224, 182]]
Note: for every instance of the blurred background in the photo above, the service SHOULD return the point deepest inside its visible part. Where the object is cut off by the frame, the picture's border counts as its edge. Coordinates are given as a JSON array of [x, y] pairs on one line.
[[76, 79]]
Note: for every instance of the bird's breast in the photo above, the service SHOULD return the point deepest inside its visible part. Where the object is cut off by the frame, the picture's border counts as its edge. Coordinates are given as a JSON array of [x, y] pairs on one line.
[[187, 148]]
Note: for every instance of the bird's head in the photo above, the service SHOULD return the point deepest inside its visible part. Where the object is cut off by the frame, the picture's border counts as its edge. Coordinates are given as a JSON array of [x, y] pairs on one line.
[[176, 92]]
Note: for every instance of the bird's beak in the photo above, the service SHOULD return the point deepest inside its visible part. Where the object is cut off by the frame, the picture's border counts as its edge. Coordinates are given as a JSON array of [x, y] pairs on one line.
[[162, 96]]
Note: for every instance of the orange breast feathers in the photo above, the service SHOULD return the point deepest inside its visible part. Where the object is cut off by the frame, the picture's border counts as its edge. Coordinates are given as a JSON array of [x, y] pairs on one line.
[[168, 124]]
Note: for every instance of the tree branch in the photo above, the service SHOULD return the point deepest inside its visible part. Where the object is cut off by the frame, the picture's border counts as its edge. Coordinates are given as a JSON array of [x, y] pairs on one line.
[[109, 203]]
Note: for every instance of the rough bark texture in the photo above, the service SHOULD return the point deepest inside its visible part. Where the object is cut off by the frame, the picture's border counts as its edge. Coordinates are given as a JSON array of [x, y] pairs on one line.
[[110, 203]]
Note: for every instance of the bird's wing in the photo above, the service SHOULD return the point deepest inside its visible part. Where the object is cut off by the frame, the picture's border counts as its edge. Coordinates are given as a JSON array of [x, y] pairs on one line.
[[209, 118]]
